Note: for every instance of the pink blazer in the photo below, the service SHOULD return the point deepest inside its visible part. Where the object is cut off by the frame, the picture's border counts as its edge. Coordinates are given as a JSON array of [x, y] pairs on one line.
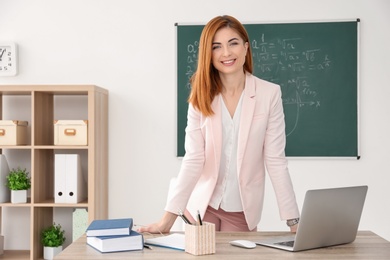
[[261, 145]]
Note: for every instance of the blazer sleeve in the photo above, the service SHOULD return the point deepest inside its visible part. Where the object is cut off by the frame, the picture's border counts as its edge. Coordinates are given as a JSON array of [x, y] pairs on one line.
[[276, 162], [192, 163]]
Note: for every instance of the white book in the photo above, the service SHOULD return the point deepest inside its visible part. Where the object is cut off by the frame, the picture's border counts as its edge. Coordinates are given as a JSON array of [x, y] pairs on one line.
[[107, 244]]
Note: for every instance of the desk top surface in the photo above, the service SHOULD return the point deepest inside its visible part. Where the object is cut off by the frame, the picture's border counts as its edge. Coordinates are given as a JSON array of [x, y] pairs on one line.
[[366, 246]]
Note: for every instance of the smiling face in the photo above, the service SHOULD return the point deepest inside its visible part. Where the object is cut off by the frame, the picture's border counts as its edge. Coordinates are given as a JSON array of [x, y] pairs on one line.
[[228, 51]]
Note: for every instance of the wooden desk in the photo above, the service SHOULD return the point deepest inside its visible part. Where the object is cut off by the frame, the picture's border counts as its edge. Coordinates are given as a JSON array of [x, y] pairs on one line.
[[366, 246]]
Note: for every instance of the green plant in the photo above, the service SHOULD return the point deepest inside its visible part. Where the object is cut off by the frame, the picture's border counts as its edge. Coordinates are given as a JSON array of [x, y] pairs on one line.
[[18, 180], [53, 236]]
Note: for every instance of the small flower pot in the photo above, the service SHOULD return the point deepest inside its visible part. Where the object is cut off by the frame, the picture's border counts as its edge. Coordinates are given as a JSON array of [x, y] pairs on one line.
[[51, 252], [18, 196]]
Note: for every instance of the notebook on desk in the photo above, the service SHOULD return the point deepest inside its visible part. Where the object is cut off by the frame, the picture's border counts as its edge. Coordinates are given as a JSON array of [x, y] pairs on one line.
[[329, 217]]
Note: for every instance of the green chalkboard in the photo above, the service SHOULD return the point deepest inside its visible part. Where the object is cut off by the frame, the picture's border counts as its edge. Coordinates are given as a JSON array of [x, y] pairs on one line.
[[316, 65]]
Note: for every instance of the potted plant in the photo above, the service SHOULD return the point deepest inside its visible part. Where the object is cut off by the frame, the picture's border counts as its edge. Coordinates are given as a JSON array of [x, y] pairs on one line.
[[52, 239], [18, 182]]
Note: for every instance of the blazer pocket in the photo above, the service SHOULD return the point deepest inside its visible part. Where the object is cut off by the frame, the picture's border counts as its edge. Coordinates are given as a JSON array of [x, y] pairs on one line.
[[259, 116]]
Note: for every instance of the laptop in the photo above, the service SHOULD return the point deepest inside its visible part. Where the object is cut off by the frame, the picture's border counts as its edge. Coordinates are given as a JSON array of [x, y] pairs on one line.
[[329, 217]]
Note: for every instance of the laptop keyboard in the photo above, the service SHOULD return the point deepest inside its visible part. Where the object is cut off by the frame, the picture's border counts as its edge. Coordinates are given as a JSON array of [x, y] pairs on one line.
[[286, 243]]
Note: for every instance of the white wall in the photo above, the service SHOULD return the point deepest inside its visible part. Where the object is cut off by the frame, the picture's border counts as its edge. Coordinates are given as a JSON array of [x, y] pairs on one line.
[[128, 47]]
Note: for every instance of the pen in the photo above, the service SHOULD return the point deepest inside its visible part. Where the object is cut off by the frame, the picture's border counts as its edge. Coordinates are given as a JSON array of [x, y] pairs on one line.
[[199, 218], [148, 247], [185, 219]]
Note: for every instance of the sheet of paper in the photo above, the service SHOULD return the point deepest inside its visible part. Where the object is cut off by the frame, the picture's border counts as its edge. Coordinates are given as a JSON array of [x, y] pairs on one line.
[[174, 241]]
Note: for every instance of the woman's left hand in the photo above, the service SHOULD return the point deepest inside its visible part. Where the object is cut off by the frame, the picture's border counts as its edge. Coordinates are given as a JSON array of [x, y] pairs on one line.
[[294, 228]]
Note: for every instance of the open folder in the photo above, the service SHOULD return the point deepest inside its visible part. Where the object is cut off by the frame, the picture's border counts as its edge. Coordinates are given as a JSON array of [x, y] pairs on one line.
[[173, 241]]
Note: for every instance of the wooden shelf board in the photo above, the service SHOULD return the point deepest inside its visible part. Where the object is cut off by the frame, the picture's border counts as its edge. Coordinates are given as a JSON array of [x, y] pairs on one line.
[[16, 254]]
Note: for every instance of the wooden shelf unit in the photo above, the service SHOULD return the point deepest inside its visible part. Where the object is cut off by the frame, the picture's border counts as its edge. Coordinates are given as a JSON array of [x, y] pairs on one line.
[[42, 150]]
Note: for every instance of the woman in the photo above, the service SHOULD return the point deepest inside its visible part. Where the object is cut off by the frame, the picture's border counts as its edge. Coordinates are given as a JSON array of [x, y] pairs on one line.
[[235, 128]]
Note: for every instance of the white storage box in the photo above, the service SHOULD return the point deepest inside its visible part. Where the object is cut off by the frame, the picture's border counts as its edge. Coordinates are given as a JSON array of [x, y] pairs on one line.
[[4, 171], [1, 245], [13, 132], [69, 184], [70, 132]]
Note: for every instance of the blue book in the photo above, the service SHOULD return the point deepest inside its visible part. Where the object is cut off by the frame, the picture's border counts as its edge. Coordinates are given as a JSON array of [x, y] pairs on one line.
[[110, 227], [108, 244]]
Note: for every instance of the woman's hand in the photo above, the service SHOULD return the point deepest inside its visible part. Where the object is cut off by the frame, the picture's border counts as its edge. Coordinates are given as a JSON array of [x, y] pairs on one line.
[[294, 228], [164, 226], [154, 228]]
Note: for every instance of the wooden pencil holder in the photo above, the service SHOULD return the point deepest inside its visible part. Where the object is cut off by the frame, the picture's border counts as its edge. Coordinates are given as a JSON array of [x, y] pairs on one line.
[[200, 239]]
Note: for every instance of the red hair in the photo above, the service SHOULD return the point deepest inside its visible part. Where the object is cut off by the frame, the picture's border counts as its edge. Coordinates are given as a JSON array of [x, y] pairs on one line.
[[206, 83]]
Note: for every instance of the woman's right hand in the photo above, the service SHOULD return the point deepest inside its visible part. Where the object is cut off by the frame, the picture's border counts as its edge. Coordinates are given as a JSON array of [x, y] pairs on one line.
[[164, 226]]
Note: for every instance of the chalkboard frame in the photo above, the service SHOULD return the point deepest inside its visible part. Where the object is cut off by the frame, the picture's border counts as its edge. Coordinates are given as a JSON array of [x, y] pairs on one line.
[[351, 152]]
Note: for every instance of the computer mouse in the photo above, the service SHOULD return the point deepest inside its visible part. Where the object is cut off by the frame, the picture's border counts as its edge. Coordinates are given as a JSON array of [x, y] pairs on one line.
[[243, 243]]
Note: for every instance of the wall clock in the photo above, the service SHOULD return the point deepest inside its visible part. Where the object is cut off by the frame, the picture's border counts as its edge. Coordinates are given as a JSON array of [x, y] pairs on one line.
[[8, 59]]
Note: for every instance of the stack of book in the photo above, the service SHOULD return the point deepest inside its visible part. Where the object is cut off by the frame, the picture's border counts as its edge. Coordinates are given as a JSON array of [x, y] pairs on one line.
[[114, 235]]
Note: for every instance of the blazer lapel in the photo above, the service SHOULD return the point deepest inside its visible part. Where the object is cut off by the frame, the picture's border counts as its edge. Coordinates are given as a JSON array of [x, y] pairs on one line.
[[216, 126], [247, 110]]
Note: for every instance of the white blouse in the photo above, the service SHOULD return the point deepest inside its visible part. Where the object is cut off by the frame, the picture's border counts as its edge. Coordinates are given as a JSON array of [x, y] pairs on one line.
[[227, 192]]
